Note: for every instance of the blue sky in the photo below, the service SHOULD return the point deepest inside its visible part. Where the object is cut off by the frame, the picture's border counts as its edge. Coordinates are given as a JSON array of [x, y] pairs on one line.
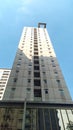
[[58, 14]]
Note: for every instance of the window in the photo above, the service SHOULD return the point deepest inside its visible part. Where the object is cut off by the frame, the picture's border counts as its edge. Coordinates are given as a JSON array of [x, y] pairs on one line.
[[61, 92], [46, 91], [52, 60], [1, 89], [36, 57], [19, 59], [15, 79], [35, 53], [58, 81], [20, 53], [29, 72], [13, 89], [45, 81], [3, 79], [40, 51], [44, 73], [1, 93], [36, 67], [35, 42], [35, 46], [37, 92], [30, 64], [29, 80], [3, 82], [18, 65], [43, 65], [30, 47], [28, 89], [37, 82], [36, 61], [22, 46], [23, 41], [17, 71], [56, 72], [2, 85], [36, 74], [6, 71], [5, 74], [35, 49]]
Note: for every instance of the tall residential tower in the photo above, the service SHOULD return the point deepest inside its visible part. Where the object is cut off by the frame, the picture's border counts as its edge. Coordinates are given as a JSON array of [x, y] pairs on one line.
[[36, 92], [36, 74]]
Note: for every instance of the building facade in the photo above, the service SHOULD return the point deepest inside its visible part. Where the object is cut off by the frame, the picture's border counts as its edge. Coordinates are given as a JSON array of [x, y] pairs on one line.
[[36, 96], [36, 74], [4, 76]]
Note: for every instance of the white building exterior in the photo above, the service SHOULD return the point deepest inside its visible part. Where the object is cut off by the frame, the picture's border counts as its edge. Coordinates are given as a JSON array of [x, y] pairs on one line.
[[4, 76]]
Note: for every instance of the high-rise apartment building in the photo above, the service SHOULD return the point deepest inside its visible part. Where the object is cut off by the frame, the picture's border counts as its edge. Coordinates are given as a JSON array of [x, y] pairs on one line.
[[4, 76], [36, 74], [36, 97]]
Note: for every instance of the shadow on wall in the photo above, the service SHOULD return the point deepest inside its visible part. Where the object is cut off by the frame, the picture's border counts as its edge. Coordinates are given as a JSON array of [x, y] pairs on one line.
[[36, 78]]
